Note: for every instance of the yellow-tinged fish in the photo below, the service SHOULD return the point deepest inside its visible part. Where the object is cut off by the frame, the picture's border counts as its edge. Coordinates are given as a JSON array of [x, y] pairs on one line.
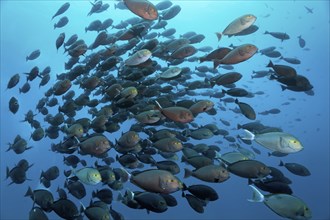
[[285, 205], [88, 175], [142, 8], [238, 25], [171, 73], [139, 57], [276, 141]]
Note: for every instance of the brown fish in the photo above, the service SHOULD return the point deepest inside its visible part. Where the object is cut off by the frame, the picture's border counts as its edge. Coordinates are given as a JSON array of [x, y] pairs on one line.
[[249, 169], [158, 181], [237, 55], [142, 8], [211, 173], [171, 144], [61, 87], [95, 146], [177, 114]]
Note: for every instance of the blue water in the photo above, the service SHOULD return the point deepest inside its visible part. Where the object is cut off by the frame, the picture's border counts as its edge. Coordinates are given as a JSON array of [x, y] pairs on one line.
[[27, 25]]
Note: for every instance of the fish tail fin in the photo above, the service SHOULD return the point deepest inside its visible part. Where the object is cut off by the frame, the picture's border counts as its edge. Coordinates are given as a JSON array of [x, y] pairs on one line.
[[7, 172], [187, 173], [129, 194], [10, 147], [281, 163], [257, 196], [266, 32], [202, 59], [283, 87], [54, 26], [27, 58], [219, 35], [120, 197], [159, 106], [270, 64], [249, 135], [29, 192], [128, 174]]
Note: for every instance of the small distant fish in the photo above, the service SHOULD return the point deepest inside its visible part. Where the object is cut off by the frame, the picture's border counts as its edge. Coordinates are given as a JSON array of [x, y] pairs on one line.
[[279, 35], [62, 9], [291, 60], [296, 168], [13, 105], [309, 10], [301, 41], [62, 22], [33, 55]]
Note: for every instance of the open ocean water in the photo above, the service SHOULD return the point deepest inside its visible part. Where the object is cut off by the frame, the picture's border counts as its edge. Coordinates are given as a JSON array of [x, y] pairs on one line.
[[27, 26]]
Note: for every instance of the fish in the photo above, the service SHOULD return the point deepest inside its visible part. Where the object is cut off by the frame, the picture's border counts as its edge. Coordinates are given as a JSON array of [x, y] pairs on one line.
[[13, 81], [284, 205], [237, 55], [238, 25], [42, 197], [170, 73], [296, 168], [211, 173], [139, 57], [246, 110], [194, 202], [177, 114], [279, 35], [62, 22], [249, 169], [60, 40], [33, 55], [142, 8], [13, 105], [301, 41], [88, 175], [276, 141], [62, 9], [158, 181]]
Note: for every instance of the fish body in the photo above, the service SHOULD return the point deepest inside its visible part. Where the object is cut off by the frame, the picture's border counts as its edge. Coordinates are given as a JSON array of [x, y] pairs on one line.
[[285, 205], [139, 57], [237, 55], [276, 141], [238, 25], [142, 8]]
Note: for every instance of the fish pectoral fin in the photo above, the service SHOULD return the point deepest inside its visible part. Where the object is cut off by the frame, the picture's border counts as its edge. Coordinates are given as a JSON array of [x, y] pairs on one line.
[[216, 180], [162, 183]]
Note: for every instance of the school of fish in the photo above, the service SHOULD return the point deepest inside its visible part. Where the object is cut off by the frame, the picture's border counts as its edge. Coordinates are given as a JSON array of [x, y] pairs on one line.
[[138, 71]]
